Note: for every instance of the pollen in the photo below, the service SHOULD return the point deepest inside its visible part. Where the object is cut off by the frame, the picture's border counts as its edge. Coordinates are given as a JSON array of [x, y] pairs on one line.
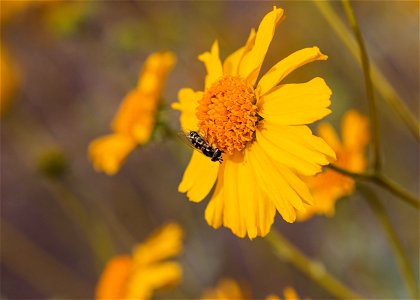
[[227, 114]]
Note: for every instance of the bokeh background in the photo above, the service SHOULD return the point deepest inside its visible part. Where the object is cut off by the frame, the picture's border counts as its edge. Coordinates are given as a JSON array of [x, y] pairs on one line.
[[73, 62]]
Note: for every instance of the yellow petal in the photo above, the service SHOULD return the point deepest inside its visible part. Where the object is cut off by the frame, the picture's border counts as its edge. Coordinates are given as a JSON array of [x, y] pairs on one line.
[[251, 63], [213, 64], [199, 177], [114, 278], [355, 131], [272, 181], [137, 112], [188, 101], [233, 214], [109, 152], [231, 63], [214, 210], [226, 289], [145, 281], [246, 209], [327, 132], [279, 71], [163, 244], [136, 116], [153, 75], [263, 208], [295, 147], [297, 104], [290, 294]]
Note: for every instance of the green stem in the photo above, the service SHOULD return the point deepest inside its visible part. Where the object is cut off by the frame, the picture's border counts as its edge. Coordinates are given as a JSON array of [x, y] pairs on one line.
[[314, 269], [397, 190], [368, 83], [382, 181], [385, 89], [359, 176], [402, 260]]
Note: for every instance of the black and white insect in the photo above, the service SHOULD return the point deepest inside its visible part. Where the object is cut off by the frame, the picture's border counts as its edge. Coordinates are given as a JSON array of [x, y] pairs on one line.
[[199, 143]]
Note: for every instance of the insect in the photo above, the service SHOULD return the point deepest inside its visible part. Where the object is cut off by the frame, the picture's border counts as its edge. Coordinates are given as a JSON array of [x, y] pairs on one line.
[[200, 144]]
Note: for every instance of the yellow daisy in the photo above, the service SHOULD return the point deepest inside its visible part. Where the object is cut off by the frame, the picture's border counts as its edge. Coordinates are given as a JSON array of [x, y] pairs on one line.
[[330, 186], [139, 275], [260, 128], [135, 120]]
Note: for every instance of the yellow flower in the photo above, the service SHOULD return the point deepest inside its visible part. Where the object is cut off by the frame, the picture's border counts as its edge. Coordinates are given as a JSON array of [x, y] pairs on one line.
[[330, 186], [260, 128], [228, 289], [135, 120], [9, 80], [288, 294], [139, 275]]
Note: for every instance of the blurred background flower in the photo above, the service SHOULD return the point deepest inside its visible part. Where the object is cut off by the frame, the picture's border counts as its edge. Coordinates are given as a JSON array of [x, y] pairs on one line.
[[147, 270], [136, 117], [329, 186], [77, 60]]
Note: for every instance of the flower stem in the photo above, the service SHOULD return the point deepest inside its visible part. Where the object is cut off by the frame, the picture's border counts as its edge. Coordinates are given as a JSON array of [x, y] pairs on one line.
[[368, 83], [402, 260], [382, 181], [385, 89], [314, 269]]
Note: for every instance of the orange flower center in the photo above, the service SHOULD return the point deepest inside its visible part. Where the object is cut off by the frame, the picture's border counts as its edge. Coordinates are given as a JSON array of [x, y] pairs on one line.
[[227, 114]]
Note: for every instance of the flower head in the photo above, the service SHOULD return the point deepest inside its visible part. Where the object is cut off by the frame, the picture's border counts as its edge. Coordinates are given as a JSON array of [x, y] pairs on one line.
[[260, 126], [330, 186], [134, 122], [138, 275]]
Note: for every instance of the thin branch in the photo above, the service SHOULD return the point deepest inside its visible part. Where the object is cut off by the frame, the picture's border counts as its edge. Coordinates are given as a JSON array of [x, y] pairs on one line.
[[373, 108], [394, 242], [383, 86], [315, 270], [382, 181], [397, 190]]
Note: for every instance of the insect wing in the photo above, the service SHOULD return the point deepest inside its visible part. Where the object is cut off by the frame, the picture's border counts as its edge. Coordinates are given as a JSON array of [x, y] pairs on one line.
[[183, 136]]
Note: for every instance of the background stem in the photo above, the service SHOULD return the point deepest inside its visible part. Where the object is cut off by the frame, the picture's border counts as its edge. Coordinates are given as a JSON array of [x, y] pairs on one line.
[[383, 86], [382, 181], [315, 270], [373, 108], [394, 242]]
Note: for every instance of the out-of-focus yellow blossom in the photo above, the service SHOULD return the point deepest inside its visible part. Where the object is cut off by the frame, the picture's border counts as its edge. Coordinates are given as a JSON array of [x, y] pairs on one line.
[[260, 126], [226, 289], [134, 122], [146, 270], [9, 80], [330, 186], [229, 289], [288, 294]]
